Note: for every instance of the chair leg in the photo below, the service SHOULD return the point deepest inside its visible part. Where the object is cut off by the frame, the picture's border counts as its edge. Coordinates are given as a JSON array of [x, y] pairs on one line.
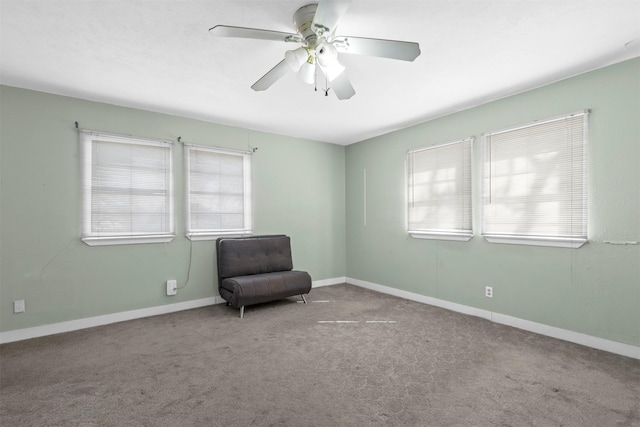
[[303, 299], [242, 312]]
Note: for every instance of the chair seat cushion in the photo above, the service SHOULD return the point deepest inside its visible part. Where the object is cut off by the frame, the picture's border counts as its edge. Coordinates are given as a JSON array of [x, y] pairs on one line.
[[259, 288]]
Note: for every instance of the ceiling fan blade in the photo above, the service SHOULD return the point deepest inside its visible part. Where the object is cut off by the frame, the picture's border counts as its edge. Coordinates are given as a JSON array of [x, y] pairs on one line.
[[342, 87], [329, 13], [252, 33], [272, 76], [393, 49]]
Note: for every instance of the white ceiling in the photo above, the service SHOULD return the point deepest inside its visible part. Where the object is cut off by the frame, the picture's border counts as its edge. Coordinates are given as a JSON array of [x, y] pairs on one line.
[[159, 56]]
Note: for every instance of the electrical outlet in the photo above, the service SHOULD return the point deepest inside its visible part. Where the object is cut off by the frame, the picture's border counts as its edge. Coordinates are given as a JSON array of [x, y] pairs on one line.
[[488, 291], [172, 287], [18, 306]]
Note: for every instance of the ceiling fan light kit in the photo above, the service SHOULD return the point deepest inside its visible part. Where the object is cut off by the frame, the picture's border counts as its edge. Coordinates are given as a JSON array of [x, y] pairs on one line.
[[295, 58], [319, 51], [307, 72], [327, 55]]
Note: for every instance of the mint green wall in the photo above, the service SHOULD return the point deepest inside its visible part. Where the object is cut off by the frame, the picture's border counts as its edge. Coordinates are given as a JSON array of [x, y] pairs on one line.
[[298, 190], [593, 290]]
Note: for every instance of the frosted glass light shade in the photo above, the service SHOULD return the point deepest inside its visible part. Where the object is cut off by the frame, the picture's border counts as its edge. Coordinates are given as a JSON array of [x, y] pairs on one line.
[[295, 58], [327, 55], [307, 73]]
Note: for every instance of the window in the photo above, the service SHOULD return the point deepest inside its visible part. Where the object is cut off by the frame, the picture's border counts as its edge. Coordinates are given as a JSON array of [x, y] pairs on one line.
[[535, 188], [439, 191], [218, 192], [127, 189]]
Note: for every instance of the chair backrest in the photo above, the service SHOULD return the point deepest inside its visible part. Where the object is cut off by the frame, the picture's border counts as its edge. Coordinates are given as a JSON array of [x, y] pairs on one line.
[[244, 256]]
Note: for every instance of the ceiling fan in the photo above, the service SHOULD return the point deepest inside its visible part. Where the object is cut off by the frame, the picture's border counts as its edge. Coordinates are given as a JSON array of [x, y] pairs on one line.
[[319, 47]]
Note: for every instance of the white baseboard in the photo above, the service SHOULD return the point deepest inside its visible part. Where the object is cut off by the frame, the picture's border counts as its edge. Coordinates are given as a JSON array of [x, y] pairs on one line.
[[421, 298], [622, 349], [89, 322], [328, 282], [616, 347], [567, 335]]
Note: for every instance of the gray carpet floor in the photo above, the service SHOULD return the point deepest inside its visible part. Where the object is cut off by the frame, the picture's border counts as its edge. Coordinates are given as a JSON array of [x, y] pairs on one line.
[[350, 357]]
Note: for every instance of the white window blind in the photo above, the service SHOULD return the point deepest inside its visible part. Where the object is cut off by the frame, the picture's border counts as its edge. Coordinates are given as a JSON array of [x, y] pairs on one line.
[[127, 189], [535, 186], [218, 192], [439, 191]]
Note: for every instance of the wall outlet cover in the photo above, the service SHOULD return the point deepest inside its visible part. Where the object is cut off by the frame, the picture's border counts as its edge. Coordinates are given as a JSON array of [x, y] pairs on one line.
[[172, 287], [488, 291], [19, 306]]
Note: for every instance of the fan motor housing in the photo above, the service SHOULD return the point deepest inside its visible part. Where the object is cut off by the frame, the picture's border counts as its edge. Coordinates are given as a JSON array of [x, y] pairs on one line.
[[302, 22]]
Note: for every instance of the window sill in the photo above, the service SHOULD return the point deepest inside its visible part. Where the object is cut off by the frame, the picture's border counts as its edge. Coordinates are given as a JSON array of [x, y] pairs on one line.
[[127, 240], [213, 236], [441, 236], [537, 241]]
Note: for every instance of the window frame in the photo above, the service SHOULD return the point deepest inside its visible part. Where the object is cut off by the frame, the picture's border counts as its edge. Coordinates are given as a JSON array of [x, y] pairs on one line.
[[454, 234], [196, 234], [100, 238], [563, 241]]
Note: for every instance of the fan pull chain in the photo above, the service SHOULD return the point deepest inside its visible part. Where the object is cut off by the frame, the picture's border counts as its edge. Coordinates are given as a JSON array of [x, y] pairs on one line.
[[326, 86], [315, 78], [315, 83]]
